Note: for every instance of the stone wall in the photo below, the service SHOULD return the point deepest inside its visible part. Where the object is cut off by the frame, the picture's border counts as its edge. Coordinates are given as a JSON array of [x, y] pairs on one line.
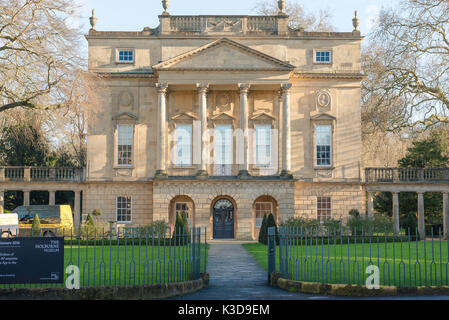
[[241, 193], [344, 198], [103, 196]]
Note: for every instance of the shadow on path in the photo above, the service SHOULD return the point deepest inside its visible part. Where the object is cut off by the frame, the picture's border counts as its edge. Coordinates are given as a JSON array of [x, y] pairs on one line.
[[235, 275]]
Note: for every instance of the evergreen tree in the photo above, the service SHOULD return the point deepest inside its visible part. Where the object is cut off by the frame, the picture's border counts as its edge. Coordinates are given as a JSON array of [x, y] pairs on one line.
[[180, 233], [263, 229], [36, 226], [271, 222], [430, 152]]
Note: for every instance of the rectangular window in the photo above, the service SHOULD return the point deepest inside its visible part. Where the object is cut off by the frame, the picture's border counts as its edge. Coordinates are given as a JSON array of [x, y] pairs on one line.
[[323, 56], [263, 145], [323, 145], [124, 208], [125, 55], [223, 150], [261, 209], [324, 208], [125, 136], [184, 145]]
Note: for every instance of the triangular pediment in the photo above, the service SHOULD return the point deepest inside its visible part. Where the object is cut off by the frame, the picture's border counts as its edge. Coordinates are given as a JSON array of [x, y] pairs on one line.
[[222, 116], [223, 55], [262, 116], [184, 116], [125, 116], [323, 116]]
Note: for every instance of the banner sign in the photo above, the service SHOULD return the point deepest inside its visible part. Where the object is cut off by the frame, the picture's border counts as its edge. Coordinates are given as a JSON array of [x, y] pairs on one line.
[[31, 260]]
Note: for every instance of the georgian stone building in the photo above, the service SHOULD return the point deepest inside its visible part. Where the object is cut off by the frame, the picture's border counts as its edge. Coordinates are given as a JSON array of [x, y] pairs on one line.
[[225, 118]]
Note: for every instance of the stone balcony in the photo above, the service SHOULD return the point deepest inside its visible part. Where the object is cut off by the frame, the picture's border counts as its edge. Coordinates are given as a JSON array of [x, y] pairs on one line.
[[406, 175], [41, 174]]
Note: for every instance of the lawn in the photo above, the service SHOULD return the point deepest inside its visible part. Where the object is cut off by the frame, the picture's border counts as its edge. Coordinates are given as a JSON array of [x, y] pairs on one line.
[[119, 265], [406, 264]]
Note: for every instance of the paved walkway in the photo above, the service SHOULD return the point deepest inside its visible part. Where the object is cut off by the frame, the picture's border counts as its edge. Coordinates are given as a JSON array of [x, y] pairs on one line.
[[235, 275]]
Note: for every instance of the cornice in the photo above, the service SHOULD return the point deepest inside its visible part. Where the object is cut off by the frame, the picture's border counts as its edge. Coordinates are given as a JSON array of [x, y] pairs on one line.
[[317, 75]]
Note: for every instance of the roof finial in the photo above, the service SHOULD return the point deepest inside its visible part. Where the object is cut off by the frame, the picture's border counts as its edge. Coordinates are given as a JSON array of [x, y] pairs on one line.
[[165, 5], [93, 20], [281, 6], [356, 22]]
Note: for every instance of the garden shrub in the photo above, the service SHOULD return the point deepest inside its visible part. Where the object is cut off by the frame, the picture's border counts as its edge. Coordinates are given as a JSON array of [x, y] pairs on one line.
[[181, 230], [313, 226], [263, 230], [363, 225], [271, 222], [96, 212], [36, 226]]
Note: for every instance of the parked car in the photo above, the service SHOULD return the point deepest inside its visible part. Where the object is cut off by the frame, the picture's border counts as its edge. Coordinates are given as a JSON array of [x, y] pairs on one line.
[[9, 225], [53, 219]]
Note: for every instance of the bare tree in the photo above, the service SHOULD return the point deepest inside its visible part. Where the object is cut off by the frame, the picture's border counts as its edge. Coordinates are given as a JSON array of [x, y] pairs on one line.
[[39, 53], [299, 17], [408, 76], [70, 123]]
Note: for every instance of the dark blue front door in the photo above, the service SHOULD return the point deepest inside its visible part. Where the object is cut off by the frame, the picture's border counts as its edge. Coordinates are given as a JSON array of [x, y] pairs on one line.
[[223, 219]]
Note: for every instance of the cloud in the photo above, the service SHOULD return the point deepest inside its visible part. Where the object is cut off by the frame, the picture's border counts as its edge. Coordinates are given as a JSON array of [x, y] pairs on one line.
[[372, 16]]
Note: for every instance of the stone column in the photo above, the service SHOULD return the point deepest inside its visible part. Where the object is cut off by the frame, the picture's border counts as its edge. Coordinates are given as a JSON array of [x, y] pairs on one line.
[[52, 196], [370, 205], [286, 130], [244, 90], [76, 209], [26, 198], [202, 99], [396, 213], [162, 89], [421, 224], [446, 214], [2, 201]]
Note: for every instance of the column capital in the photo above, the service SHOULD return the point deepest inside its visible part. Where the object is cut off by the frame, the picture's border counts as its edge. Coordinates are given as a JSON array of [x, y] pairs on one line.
[[244, 88], [162, 88], [203, 88], [285, 88]]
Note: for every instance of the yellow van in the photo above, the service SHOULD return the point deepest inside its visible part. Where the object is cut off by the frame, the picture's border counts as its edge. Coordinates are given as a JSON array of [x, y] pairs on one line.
[[53, 219]]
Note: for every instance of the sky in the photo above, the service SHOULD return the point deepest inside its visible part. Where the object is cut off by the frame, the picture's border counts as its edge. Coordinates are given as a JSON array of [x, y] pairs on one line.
[[134, 15]]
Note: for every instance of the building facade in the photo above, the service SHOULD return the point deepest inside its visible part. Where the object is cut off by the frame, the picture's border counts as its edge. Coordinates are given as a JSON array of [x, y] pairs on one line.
[[224, 118]]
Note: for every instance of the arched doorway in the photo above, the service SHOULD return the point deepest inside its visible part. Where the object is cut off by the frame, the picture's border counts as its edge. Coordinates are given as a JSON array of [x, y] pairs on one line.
[[261, 206], [223, 215]]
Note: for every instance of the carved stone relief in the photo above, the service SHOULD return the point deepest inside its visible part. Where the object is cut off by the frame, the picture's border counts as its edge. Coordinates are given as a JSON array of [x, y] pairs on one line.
[[218, 24], [323, 100], [223, 103], [182, 102], [263, 103], [126, 99]]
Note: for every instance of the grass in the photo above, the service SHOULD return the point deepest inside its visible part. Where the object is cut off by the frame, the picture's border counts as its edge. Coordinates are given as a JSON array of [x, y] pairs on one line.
[[119, 265], [401, 264]]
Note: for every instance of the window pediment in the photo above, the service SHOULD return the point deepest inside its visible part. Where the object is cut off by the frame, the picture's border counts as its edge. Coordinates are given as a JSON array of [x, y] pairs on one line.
[[125, 117], [185, 116], [263, 117], [323, 116]]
